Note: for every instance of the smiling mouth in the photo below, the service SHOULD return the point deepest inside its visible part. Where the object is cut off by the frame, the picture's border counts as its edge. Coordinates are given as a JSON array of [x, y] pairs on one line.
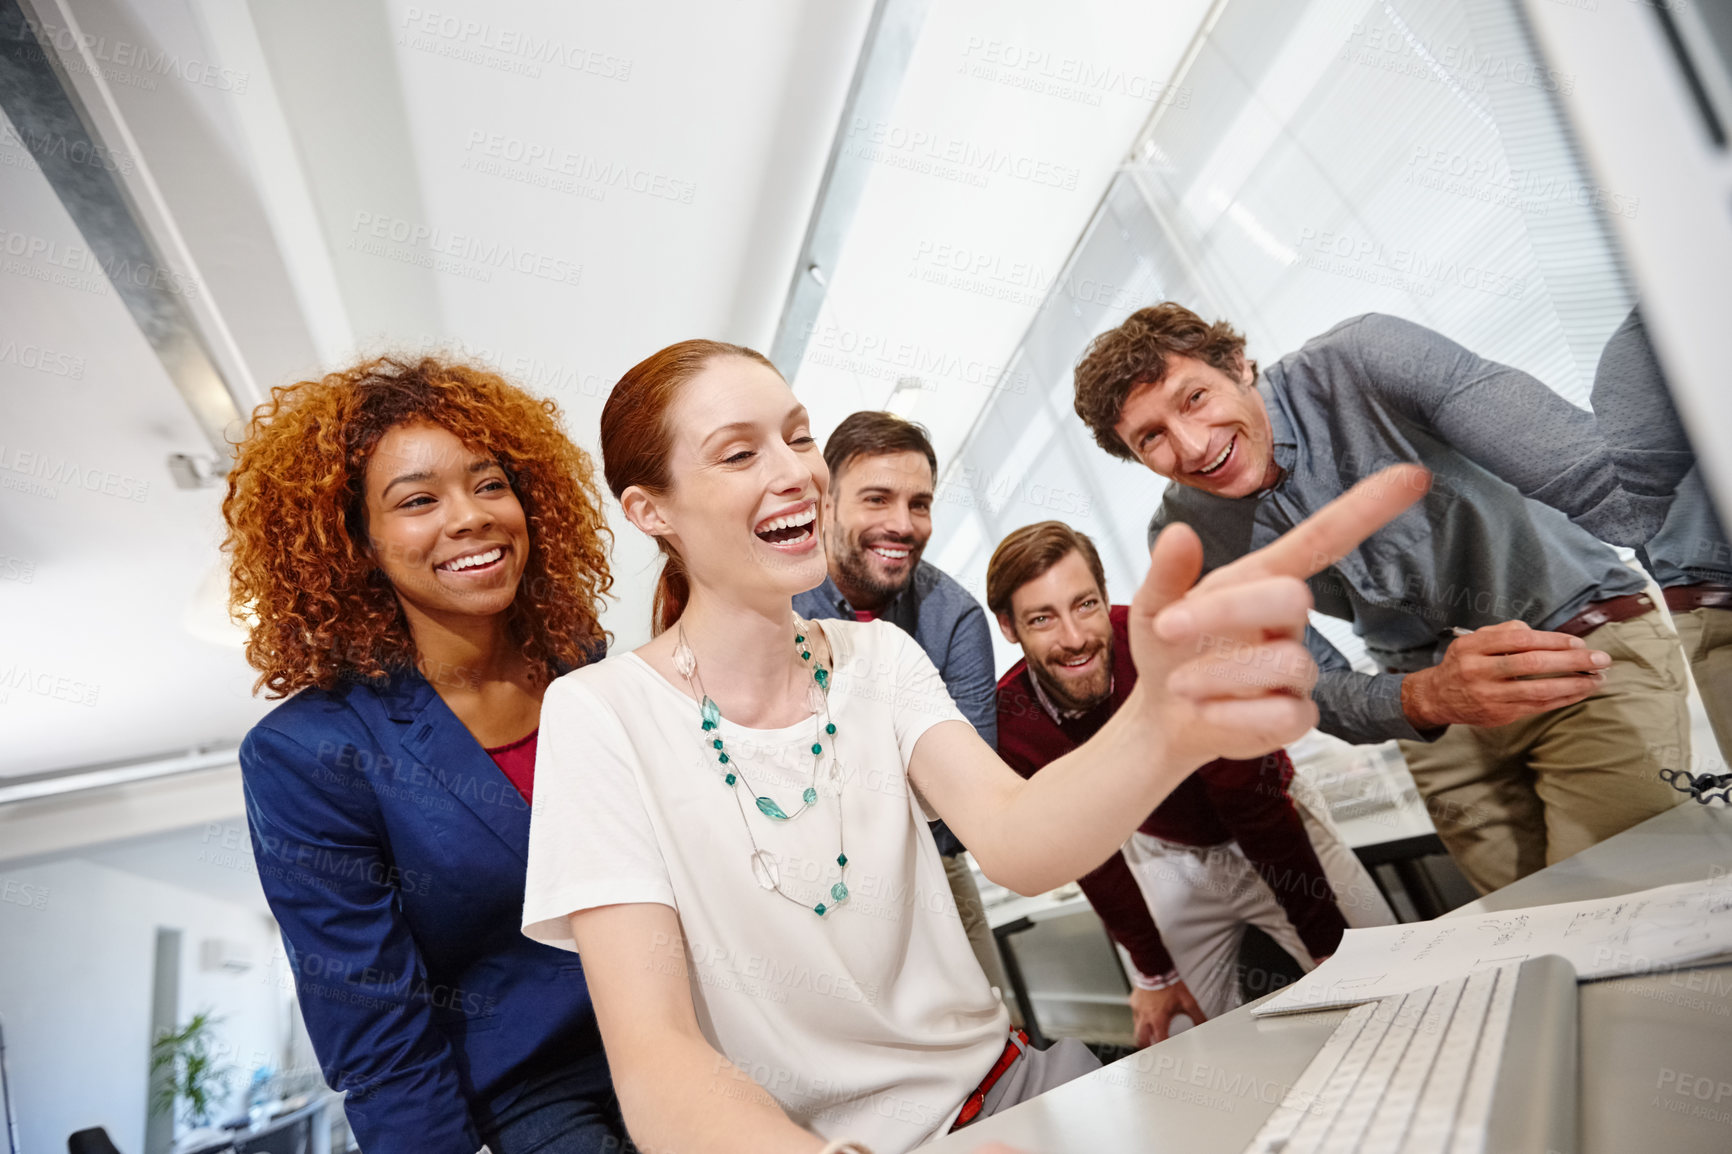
[[892, 554], [1220, 462], [1073, 664], [788, 529], [473, 561]]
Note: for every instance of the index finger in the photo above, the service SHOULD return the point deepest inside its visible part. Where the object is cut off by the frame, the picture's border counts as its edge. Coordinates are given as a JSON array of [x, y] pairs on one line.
[[1506, 638], [1333, 531]]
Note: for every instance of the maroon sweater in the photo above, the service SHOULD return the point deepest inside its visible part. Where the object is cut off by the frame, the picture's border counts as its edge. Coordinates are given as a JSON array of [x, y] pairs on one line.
[[1243, 801]]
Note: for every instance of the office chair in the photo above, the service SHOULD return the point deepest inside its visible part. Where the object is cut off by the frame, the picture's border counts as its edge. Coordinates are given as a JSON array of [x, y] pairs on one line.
[[93, 1141]]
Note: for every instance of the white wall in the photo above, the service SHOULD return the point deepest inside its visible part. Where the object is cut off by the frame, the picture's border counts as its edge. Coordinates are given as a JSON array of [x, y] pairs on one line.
[[77, 945]]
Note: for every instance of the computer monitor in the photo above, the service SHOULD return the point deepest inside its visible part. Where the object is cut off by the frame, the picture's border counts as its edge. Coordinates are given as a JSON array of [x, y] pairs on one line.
[[1649, 100]]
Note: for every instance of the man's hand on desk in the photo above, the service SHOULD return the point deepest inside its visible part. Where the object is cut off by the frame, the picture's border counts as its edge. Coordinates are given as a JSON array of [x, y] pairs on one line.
[[1152, 1011], [1500, 674]]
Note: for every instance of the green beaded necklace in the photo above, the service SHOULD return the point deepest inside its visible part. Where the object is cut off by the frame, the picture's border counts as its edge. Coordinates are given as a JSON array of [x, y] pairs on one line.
[[733, 774]]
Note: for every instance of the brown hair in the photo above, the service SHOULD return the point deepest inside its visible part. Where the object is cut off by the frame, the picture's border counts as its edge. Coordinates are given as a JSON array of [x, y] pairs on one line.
[[1028, 553], [1120, 360], [297, 533], [636, 442], [869, 433]]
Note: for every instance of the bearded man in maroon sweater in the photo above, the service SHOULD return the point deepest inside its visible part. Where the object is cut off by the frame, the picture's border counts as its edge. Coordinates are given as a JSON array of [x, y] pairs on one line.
[[1240, 843]]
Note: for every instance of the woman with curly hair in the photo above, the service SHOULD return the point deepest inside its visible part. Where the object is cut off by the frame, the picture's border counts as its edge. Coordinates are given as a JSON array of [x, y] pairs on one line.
[[422, 551]]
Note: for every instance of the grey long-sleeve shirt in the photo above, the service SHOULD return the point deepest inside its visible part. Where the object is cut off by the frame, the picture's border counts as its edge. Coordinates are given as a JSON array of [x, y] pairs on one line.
[[1487, 543], [1691, 546], [1636, 415]]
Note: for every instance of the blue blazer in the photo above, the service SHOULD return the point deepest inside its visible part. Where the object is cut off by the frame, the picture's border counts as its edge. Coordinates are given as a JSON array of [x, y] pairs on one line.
[[392, 850]]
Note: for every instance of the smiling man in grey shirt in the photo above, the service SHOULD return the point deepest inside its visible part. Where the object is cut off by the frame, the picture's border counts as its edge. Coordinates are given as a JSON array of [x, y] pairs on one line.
[[1535, 688]]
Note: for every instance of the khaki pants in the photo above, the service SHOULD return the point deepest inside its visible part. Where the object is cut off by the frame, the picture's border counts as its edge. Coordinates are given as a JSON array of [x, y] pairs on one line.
[[1203, 897], [974, 923], [1511, 799], [1707, 638]]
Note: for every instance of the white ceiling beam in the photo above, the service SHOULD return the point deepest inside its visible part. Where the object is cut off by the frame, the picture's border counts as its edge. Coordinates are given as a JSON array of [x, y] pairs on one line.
[[54, 91], [280, 178], [890, 38]]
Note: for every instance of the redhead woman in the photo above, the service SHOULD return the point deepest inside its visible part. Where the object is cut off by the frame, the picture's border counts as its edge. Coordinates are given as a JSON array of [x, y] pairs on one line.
[[423, 551], [731, 821]]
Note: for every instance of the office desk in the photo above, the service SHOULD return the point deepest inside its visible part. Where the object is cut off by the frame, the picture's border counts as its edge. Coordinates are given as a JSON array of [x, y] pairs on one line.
[[1210, 1088], [301, 1130], [1400, 836]]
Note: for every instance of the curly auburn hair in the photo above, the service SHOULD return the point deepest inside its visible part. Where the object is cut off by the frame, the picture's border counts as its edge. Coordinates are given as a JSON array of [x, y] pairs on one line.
[[297, 532], [1120, 360]]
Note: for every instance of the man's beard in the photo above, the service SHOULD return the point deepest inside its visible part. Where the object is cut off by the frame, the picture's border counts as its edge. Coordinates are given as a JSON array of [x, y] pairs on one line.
[[850, 561], [1062, 697]]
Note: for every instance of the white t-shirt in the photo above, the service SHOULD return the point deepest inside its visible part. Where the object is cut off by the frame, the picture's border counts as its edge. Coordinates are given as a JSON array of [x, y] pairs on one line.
[[873, 1022]]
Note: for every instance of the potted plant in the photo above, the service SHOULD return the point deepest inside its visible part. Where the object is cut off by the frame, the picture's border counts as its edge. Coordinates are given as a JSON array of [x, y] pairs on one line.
[[183, 1067]]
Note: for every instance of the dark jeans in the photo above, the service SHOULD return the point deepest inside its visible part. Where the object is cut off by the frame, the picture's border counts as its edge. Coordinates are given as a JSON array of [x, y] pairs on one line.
[[561, 1112]]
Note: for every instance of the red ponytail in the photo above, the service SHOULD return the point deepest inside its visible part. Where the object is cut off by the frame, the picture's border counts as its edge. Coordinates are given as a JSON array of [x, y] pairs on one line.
[[673, 590]]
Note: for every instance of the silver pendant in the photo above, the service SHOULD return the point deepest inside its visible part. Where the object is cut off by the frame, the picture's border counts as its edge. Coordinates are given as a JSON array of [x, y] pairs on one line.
[[764, 869]]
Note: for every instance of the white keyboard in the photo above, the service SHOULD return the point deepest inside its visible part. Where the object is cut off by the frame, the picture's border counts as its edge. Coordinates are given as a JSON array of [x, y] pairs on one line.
[[1442, 1070]]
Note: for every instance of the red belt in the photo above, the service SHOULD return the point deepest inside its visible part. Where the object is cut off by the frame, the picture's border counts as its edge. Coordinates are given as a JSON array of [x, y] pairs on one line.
[[1683, 598], [1606, 612], [973, 1104]]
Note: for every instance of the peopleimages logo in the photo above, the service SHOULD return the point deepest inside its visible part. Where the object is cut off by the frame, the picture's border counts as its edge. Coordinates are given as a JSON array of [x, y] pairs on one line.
[[1067, 77], [28, 355], [1412, 270], [1495, 181], [42, 683], [46, 467], [526, 371], [77, 150], [1001, 278], [951, 157], [79, 265], [1397, 49], [19, 893], [875, 355], [123, 54], [461, 36], [454, 252], [491, 152]]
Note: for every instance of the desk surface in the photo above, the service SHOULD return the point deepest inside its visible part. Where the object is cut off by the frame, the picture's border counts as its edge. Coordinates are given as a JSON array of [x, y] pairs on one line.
[[313, 1109], [1062, 902], [1651, 1045], [1406, 818]]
